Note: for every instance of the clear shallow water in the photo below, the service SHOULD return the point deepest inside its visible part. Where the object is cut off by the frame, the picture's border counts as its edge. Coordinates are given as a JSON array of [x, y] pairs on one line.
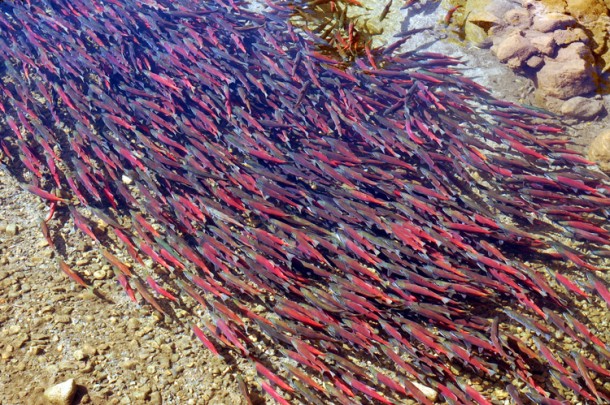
[[370, 205]]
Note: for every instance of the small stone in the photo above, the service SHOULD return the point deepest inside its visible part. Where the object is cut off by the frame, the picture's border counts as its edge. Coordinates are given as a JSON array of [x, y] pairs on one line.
[[63, 319], [79, 355], [87, 367], [21, 339], [89, 350], [133, 323], [11, 229], [139, 396], [7, 353], [128, 364], [431, 394], [14, 329], [35, 351], [99, 274], [126, 180], [155, 398], [583, 108], [62, 393], [535, 62], [42, 243], [164, 362]]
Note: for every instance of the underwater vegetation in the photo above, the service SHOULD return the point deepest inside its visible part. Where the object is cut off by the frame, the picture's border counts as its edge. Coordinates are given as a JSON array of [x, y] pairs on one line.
[[381, 211]]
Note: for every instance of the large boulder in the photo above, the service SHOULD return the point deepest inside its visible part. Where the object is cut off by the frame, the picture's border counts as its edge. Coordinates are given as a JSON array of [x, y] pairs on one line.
[[582, 108], [515, 49], [599, 151], [570, 74]]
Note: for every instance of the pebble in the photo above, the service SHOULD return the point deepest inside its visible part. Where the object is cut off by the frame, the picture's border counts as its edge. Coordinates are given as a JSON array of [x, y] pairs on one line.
[[62, 393], [63, 319], [89, 350], [21, 339], [164, 361], [11, 229], [126, 180], [142, 393], [155, 398], [128, 364], [87, 367], [133, 323], [431, 394], [35, 351], [79, 355], [99, 275]]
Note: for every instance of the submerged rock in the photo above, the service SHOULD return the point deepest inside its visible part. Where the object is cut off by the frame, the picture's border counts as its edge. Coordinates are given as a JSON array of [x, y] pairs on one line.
[[569, 75], [599, 151], [62, 393], [582, 108]]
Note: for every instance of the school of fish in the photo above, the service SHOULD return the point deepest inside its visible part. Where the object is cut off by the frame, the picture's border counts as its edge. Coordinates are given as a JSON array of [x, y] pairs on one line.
[[381, 211]]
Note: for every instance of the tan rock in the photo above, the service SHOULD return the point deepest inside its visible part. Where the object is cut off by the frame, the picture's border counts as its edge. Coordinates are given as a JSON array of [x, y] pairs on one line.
[[515, 48], [543, 42], [570, 35], [599, 151], [573, 51], [484, 19], [477, 26], [569, 75], [62, 393], [587, 10], [549, 22], [475, 33], [481, 16], [535, 62], [583, 108], [497, 33]]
